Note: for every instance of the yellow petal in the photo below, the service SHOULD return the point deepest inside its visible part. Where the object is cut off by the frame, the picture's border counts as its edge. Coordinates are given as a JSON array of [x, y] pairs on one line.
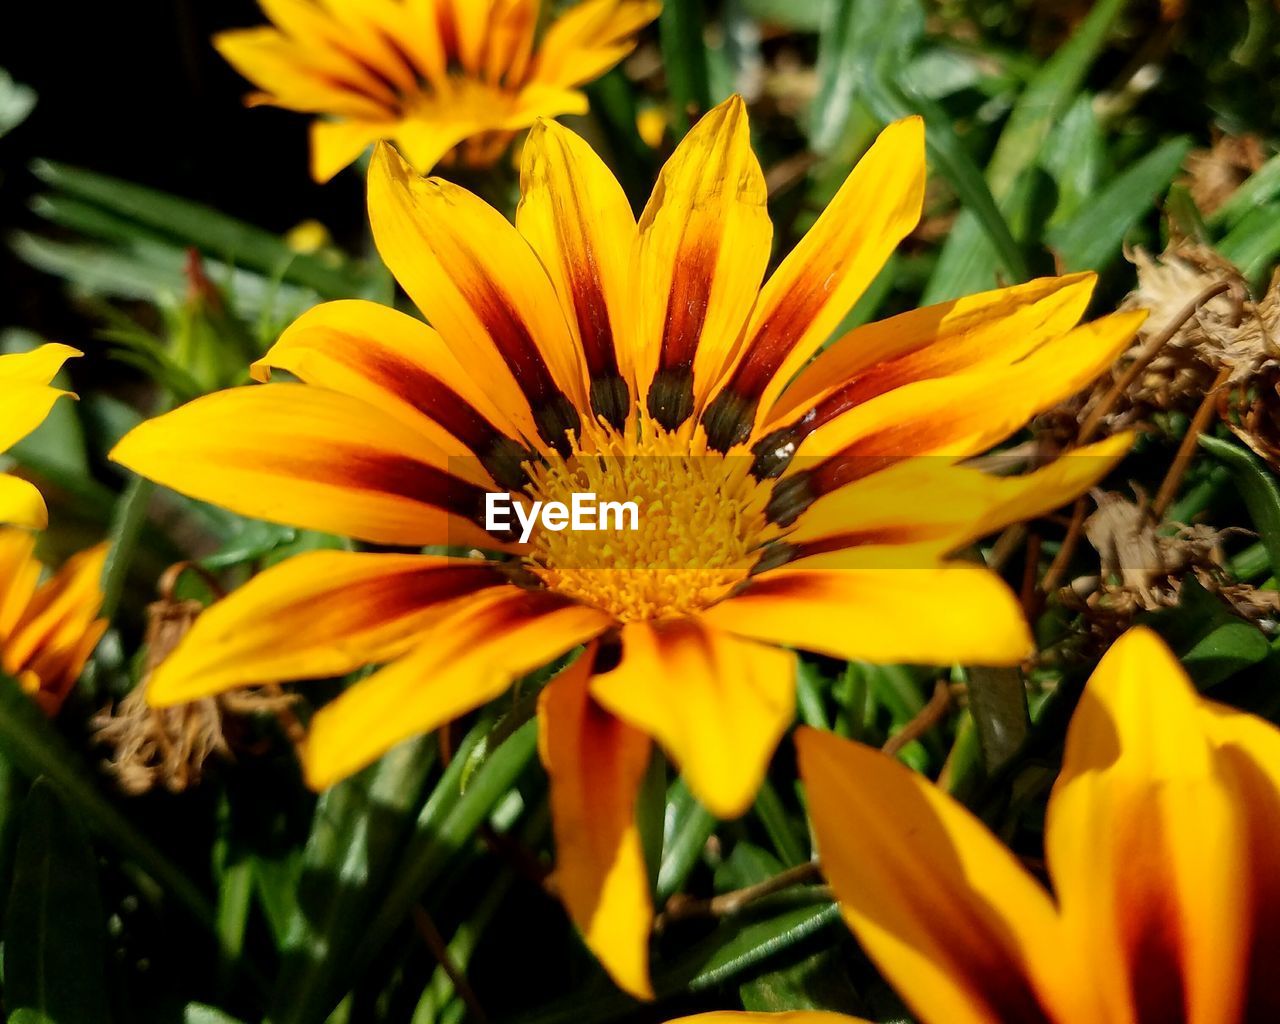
[[822, 277], [19, 576], [482, 288], [23, 407], [999, 326], [59, 628], [577, 219], [590, 37], [717, 704], [309, 457], [304, 78], [21, 504], [323, 613], [396, 363], [704, 245], [1248, 752], [950, 917], [967, 413], [39, 366], [1146, 844], [914, 512], [335, 144], [464, 661], [940, 615], [596, 764]]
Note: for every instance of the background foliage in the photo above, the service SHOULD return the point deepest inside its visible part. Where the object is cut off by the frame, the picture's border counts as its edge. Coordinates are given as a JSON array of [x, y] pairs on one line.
[[148, 221]]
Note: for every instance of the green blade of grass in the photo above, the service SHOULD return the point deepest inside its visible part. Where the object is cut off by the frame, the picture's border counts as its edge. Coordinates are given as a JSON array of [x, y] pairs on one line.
[[968, 262], [1094, 237], [193, 223], [54, 939], [36, 749], [684, 56]]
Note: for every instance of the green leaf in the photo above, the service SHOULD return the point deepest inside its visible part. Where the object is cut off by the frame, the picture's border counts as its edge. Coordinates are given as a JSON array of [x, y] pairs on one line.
[[1075, 158], [1094, 237], [16, 102], [358, 832], [998, 704], [1254, 243], [446, 828], [857, 36], [190, 223], [36, 749], [1257, 191], [199, 1013], [689, 826], [1257, 487], [684, 56], [968, 261], [54, 936], [1211, 641]]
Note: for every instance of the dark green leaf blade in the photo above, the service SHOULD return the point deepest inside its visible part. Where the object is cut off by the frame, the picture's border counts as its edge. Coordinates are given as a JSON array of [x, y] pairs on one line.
[[54, 937]]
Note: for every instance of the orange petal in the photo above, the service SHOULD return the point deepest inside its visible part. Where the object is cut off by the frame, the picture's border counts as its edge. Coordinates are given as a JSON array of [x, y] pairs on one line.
[[938, 615], [704, 244], [999, 326], [576, 217], [1146, 844], [482, 288], [310, 457], [913, 513], [948, 914], [596, 763], [589, 38], [59, 628], [822, 277], [323, 613], [465, 660], [335, 144], [398, 364], [1249, 754], [717, 704]]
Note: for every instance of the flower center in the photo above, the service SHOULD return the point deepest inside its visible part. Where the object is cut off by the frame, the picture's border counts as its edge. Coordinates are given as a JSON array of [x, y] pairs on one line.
[[699, 524]]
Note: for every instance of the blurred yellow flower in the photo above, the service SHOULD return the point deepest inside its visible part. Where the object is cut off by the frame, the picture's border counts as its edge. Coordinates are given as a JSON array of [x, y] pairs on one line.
[[47, 629], [441, 78], [1163, 847], [582, 351], [25, 400]]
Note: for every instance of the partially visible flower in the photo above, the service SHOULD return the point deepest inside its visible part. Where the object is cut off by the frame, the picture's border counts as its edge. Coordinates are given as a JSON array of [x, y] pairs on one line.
[[48, 629], [581, 351], [25, 400], [1162, 841], [440, 78]]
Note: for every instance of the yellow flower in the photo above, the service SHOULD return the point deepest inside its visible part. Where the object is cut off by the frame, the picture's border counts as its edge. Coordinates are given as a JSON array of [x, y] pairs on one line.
[[47, 629], [437, 77], [580, 351], [1163, 849], [25, 400]]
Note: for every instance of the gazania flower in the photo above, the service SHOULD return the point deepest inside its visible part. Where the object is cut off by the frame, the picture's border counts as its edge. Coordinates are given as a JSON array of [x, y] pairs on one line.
[[1162, 842], [25, 400], [440, 78], [47, 629], [581, 352]]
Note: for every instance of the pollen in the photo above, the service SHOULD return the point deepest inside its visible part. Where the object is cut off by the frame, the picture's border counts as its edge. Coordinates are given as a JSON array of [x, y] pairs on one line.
[[699, 529]]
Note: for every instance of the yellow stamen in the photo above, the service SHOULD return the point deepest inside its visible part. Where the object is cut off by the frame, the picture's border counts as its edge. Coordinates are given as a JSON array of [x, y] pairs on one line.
[[701, 523]]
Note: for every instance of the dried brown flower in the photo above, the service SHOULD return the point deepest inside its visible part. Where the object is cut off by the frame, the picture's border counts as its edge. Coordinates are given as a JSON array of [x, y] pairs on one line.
[[170, 746]]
